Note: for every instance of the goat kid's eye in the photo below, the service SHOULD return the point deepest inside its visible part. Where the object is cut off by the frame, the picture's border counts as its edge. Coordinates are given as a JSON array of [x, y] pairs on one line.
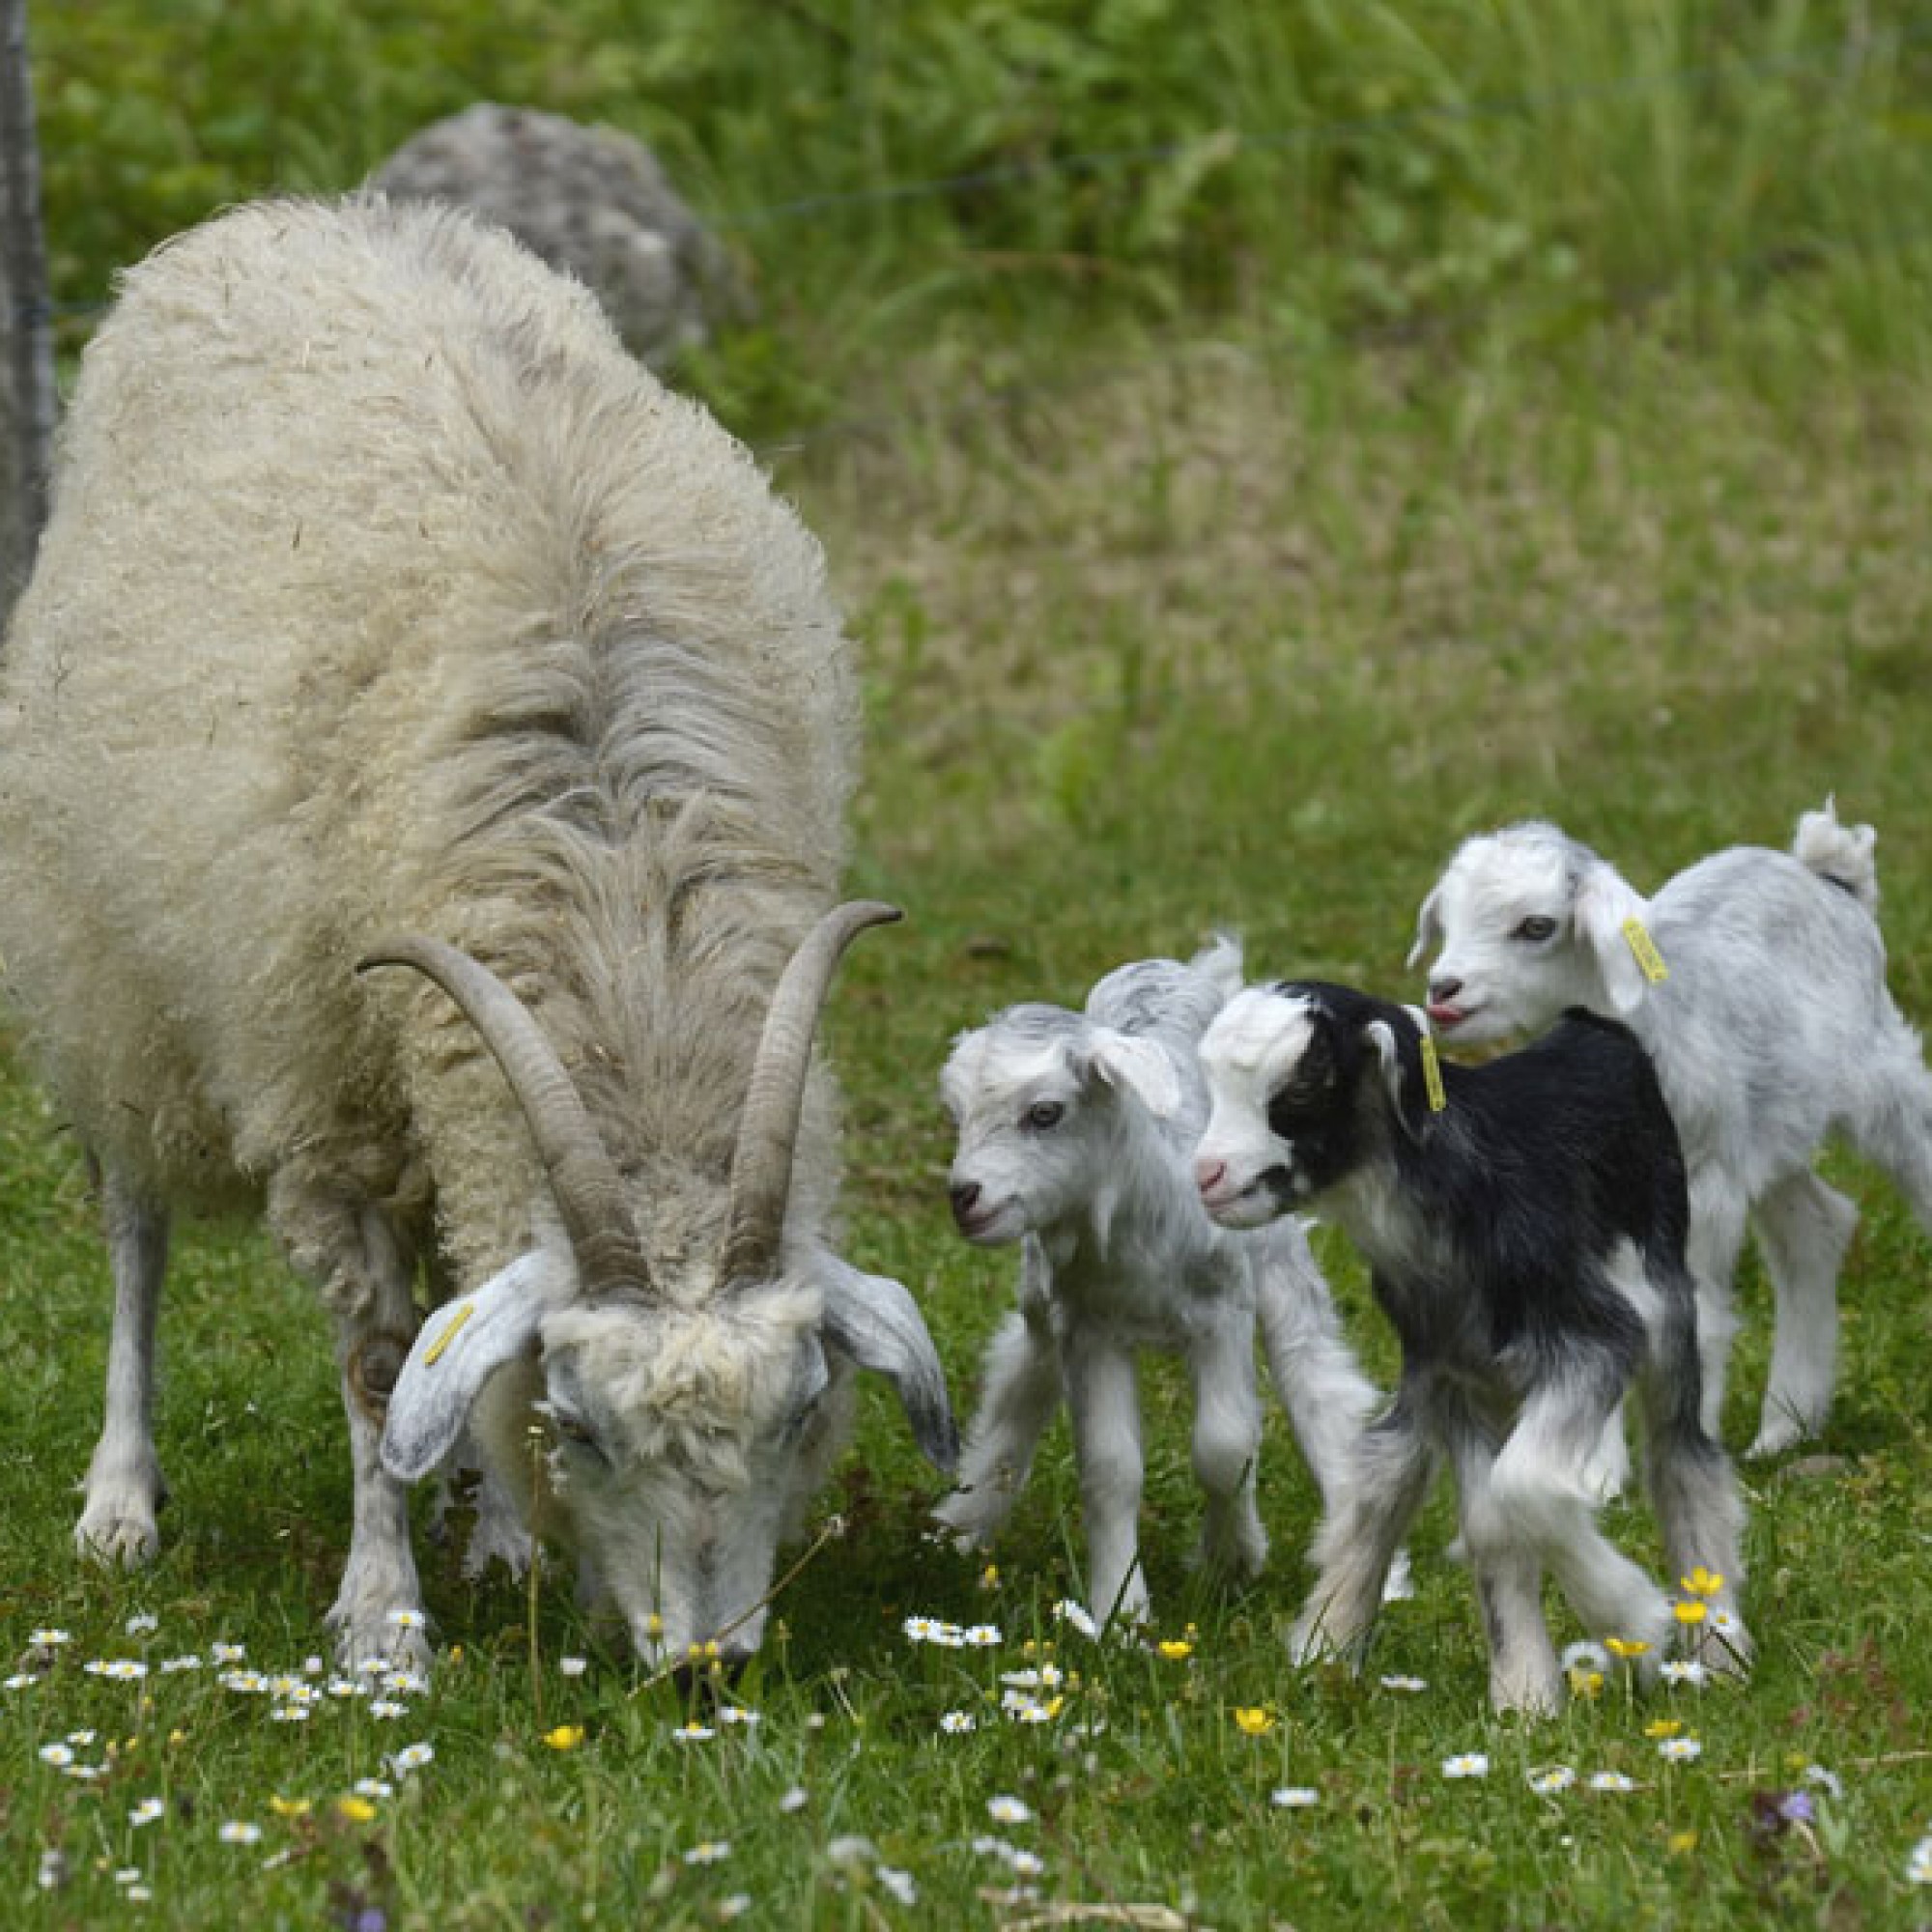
[[574, 1431], [1535, 929], [1044, 1114]]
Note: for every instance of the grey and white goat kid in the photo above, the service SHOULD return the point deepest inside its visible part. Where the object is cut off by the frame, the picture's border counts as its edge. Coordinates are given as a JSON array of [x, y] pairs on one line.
[[1074, 1137], [1762, 1001], [1524, 1222]]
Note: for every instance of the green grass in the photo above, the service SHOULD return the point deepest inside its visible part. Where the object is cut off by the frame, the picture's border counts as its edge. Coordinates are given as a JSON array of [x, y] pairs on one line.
[[1572, 463]]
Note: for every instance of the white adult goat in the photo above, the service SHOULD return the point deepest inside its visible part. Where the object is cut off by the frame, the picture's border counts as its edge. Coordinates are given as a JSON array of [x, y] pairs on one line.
[[1074, 1135], [1772, 1030], [391, 613]]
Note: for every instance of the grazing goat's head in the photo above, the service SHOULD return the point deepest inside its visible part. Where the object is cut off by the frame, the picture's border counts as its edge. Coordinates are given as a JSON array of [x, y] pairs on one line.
[[666, 1430], [1036, 1097], [1527, 921], [1305, 1080]]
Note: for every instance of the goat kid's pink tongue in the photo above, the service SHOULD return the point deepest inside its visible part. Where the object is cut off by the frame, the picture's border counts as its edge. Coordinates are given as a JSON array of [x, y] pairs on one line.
[[1445, 1014]]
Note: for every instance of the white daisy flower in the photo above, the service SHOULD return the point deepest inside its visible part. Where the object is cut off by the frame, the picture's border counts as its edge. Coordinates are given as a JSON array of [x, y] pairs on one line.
[[290, 1714], [1466, 1764], [1680, 1750], [712, 1852], [142, 1623], [1684, 1670], [1585, 1655], [693, 1733], [1004, 1809], [1076, 1615], [373, 1787], [795, 1800], [60, 1756], [920, 1629], [404, 1618], [1612, 1780], [82, 1737], [1551, 1780], [139, 1894], [1919, 1867], [413, 1757], [239, 1832], [227, 1653], [573, 1666], [981, 1637], [1294, 1797], [956, 1722], [737, 1714], [851, 1850], [1413, 1686], [899, 1882], [127, 1875], [21, 1680], [49, 1639], [170, 1665], [147, 1811], [387, 1708], [733, 1905]]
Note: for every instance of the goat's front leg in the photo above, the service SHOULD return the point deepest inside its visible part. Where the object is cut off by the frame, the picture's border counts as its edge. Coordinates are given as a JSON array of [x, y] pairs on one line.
[[1804, 1228], [1227, 1442], [1103, 1401], [1524, 1674], [1022, 1391], [1717, 1233], [1360, 1534], [125, 1486], [368, 1286], [1541, 1492]]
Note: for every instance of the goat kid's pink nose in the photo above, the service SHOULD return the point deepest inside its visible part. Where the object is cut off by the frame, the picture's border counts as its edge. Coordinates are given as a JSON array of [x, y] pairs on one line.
[[1441, 990], [1209, 1173]]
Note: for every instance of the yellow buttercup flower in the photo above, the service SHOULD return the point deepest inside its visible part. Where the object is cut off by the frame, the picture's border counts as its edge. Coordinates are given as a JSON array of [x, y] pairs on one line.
[[566, 1737], [358, 1810], [1253, 1721], [1175, 1648], [1625, 1646], [1693, 1611], [1663, 1728], [289, 1807], [1684, 1842], [1702, 1582]]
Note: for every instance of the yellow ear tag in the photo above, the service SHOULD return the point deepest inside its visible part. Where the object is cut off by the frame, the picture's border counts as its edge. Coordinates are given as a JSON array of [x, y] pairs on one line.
[[1648, 957], [1432, 1075], [448, 1335]]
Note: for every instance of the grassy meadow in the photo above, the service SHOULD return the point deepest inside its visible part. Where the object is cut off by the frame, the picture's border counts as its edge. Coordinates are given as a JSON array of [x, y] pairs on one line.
[[1298, 438]]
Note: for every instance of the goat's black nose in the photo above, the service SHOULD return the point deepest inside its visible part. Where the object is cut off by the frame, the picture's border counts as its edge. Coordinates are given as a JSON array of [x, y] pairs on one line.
[[964, 1196], [1443, 990]]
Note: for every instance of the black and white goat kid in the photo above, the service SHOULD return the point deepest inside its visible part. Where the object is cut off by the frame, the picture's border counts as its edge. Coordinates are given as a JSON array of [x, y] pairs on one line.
[[1524, 1223], [1074, 1136]]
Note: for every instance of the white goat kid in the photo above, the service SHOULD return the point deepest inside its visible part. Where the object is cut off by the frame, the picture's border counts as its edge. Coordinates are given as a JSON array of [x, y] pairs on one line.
[[1073, 1132], [1772, 1030]]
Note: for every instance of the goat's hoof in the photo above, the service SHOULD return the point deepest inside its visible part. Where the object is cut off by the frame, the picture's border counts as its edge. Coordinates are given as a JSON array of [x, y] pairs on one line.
[[1773, 1439], [120, 1534], [1399, 1586]]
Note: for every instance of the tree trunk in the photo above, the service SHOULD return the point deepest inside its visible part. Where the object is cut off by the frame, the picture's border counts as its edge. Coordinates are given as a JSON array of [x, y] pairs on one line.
[[27, 368]]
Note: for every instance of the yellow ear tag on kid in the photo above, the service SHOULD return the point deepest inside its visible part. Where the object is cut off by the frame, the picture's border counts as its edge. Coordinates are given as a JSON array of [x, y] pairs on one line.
[[448, 1335], [1431, 1076], [1648, 957]]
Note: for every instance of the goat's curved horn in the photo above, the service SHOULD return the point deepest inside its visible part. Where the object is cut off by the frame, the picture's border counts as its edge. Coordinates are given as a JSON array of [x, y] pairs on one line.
[[583, 1178], [761, 1162]]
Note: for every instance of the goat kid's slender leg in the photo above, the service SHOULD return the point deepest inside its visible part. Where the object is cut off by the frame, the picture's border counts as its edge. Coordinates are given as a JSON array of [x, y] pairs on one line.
[[1717, 1233], [1894, 1127], [1022, 1391], [1320, 1382], [1360, 1534], [1227, 1443], [125, 1487], [1541, 1492], [1524, 1674], [1103, 1401], [1804, 1228]]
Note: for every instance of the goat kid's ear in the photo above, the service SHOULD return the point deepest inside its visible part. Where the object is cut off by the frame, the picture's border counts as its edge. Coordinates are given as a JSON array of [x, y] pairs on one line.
[[1605, 903], [1129, 1063], [1428, 928], [1400, 1059], [874, 1321], [462, 1345]]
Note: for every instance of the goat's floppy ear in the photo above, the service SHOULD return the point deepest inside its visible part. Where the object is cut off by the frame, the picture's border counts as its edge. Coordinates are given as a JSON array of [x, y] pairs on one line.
[[1400, 1057], [873, 1319], [1427, 927], [1124, 1061], [462, 1345], [1605, 904]]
